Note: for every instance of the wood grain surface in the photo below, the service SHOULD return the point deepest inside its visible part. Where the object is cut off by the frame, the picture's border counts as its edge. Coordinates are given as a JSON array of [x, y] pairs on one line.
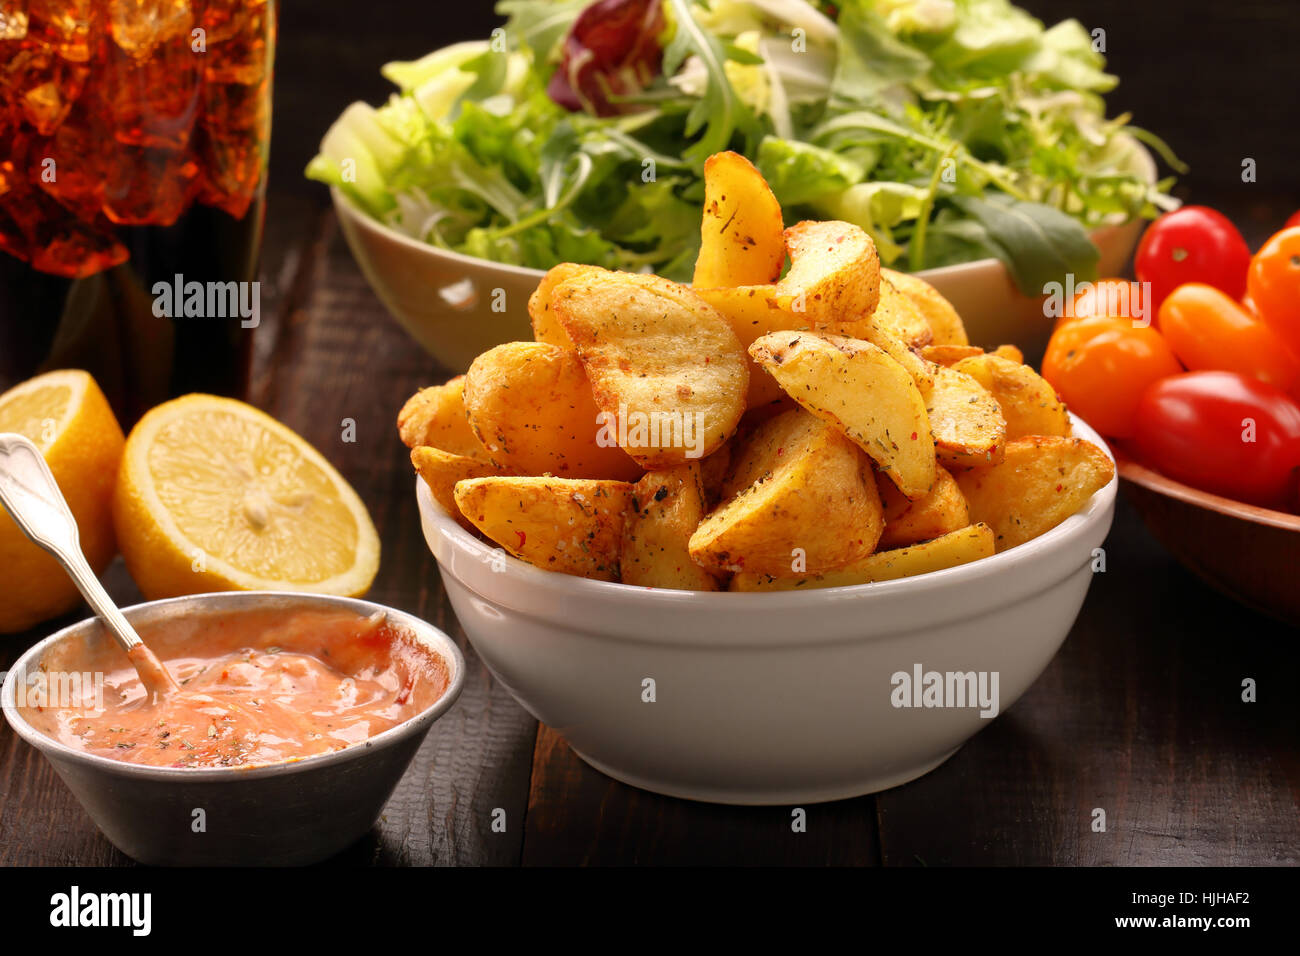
[[1139, 715]]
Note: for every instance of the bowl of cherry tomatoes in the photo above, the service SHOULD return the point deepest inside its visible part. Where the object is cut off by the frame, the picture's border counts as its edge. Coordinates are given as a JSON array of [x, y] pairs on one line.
[[1193, 373]]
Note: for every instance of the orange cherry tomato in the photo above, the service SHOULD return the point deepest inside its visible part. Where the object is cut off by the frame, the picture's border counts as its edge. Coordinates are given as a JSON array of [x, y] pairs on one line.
[[1101, 367], [1210, 332], [1108, 299], [1273, 284]]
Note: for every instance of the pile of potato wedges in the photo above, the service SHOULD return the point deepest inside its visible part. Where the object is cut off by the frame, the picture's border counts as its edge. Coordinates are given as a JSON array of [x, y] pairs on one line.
[[767, 427]]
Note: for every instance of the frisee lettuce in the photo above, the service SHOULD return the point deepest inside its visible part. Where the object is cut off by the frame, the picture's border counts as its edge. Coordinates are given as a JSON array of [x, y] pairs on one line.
[[949, 129]]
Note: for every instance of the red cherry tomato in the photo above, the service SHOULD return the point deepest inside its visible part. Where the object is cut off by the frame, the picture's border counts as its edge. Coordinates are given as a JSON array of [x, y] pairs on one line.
[[1274, 284], [1294, 220], [1209, 331], [1224, 433], [1192, 244]]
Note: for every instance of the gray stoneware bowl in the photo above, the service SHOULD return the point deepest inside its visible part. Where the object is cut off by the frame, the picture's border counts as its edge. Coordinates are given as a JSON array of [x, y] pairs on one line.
[[280, 814]]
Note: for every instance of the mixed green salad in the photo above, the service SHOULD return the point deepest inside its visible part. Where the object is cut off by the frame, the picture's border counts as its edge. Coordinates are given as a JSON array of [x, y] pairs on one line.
[[951, 130]]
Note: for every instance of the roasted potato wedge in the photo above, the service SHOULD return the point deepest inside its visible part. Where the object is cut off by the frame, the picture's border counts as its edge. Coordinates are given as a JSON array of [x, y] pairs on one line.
[[897, 313], [798, 500], [545, 326], [660, 360], [667, 507], [530, 406], [436, 416], [957, 547], [940, 512], [834, 273], [946, 326], [864, 393], [966, 420], [1039, 483], [441, 470], [752, 311], [1029, 404], [869, 330], [741, 240], [714, 471], [949, 355], [1011, 353], [570, 525]]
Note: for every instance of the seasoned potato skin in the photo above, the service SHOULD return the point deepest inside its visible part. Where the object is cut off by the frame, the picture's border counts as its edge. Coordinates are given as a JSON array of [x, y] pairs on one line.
[[1040, 482], [713, 472], [655, 349], [570, 525], [957, 547], [797, 500], [946, 326], [966, 420], [667, 506], [940, 512], [834, 273], [436, 416], [898, 314], [441, 470], [949, 355], [1029, 404], [546, 328], [530, 406], [856, 387], [741, 241], [752, 312]]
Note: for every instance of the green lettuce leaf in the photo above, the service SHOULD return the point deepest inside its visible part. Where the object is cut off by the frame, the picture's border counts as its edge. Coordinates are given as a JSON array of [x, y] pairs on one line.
[[801, 173], [871, 58]]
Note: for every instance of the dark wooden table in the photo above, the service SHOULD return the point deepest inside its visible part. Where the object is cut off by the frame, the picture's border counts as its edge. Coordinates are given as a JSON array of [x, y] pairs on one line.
[[1140, 713]]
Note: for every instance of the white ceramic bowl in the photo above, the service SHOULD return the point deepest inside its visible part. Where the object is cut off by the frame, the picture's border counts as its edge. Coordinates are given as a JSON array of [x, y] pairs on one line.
[[767, 698], [446, 300]]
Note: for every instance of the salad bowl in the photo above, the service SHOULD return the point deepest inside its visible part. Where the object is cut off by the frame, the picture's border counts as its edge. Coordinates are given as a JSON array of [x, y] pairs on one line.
[[457, 306], [980, 141]]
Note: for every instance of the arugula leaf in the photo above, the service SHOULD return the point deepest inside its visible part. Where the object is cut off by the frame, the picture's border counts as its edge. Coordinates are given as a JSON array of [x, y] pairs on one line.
[[1037, 243], [718, 112], [951, 241]]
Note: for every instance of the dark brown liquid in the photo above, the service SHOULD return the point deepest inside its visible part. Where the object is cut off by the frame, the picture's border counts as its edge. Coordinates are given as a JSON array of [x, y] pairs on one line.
[[105, 323], [133, 149]]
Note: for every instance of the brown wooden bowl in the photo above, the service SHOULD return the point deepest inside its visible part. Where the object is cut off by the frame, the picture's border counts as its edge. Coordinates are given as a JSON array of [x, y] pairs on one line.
[[1249, 553]]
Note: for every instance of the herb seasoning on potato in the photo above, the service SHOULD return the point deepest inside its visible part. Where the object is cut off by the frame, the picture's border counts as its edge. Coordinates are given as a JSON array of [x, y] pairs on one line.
[[828, 427]]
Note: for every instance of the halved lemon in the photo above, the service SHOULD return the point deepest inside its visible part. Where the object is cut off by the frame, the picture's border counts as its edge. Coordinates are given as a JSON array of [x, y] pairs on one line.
[[214, 495], [66, 415]]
